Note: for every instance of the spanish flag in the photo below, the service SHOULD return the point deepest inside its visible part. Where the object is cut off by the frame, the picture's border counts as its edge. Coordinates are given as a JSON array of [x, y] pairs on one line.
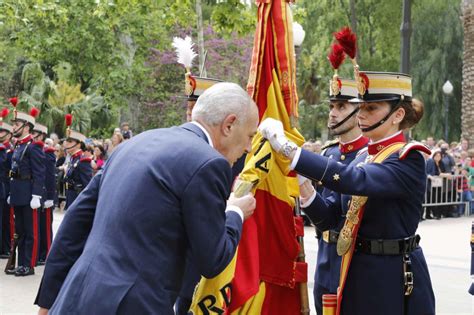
[[264, 276]]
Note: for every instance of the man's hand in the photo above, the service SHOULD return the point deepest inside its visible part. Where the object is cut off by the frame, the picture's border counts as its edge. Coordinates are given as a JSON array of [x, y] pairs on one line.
[[43, 311], [246, 203], [306, 188]]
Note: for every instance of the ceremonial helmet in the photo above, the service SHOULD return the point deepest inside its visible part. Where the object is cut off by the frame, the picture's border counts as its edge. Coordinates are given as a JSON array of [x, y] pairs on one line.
[[3, 125], [29, 118], [40, 128], [194, 86], [71, 134], [340, 89], [375, 86]]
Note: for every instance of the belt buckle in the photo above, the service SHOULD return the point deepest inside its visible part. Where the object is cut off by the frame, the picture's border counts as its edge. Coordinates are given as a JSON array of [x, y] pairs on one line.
[[326, 236]]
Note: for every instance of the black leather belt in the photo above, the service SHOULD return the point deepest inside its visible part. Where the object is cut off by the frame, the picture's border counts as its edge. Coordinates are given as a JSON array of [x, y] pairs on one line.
[[20, 177], [73, 187], [387, 247], [330, 236]]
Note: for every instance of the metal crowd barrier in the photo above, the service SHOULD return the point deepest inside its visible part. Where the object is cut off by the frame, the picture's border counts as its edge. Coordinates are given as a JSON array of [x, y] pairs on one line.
[[443, 191]]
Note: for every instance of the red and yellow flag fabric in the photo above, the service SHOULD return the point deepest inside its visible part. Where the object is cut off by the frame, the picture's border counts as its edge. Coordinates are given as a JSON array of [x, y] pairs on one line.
[[263, 277]]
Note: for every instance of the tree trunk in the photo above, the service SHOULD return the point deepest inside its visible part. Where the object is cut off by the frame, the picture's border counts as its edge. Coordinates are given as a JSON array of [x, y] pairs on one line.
[[131, 114], [200, 31], [405, 32], [467, 117], [354, 25]]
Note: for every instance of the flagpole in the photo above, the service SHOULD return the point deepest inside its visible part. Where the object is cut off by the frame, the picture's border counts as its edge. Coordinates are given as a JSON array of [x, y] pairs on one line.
[[304, 298]]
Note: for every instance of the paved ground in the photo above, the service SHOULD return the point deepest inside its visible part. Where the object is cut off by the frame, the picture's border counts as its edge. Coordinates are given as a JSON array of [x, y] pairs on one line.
[[445, 243]]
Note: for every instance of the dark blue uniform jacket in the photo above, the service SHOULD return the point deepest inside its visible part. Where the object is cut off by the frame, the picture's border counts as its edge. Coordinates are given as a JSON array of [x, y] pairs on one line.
[[28, 169], [395, 190]]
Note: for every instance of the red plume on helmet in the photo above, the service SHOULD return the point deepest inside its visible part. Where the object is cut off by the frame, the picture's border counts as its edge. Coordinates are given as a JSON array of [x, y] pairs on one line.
[[68, 119], [13, 101], [4, 113], [348, 40], [34, 112], [336, 56]]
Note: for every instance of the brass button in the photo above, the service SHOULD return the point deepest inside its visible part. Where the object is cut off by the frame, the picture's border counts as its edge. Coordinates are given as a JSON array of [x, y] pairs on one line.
[[343, 157]]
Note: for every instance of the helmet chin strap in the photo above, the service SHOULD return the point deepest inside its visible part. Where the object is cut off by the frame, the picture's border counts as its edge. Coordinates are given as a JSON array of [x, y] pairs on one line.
[[72, 146], [20, 130], [381, 122], [2, 139], [37, 136], [345, 119]]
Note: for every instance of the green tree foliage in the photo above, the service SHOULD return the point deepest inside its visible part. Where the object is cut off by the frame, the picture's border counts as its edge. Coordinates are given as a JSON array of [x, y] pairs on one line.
[[55, 99], [108, 44], [120, 55], [437, 45], [436, 52], [378, 25]]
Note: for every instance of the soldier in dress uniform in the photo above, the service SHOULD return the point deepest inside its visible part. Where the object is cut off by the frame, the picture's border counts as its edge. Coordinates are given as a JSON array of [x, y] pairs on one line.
[[5, 153], [40, 133], [383, 269], [79, 171], [343, 124], [26, 190]]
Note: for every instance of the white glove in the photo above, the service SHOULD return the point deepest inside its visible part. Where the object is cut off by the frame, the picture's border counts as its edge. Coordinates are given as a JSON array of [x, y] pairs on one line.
[[8, 199], [35, 202], [48, 203], [272, 130]]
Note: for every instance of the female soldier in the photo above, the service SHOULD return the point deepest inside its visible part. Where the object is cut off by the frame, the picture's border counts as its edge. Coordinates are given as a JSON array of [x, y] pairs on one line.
[[381, 193], [79, 172]]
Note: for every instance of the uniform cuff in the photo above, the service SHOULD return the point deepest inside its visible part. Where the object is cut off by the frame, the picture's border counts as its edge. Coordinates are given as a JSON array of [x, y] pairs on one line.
[[235, 209], [305, 202], [295, 159]]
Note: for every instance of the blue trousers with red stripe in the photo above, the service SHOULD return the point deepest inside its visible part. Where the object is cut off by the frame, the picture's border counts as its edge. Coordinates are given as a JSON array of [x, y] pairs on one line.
[[26, 226], [4, 227], [46, 232]]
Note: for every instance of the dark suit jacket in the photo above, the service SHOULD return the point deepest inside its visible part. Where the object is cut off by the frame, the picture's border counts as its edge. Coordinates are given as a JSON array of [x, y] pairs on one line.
[[161, 193]]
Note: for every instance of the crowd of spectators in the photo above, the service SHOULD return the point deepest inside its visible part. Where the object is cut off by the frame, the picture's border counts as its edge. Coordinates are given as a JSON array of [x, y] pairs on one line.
[[450, 183], [98, 150]]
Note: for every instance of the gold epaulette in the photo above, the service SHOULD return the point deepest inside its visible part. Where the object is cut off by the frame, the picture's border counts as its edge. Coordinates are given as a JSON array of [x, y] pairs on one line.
[[330, 144], [414, 145]]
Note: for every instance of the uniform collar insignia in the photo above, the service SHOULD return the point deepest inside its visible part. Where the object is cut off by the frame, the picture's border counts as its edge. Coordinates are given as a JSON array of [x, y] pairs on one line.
[[353, 145], [25, 139], [376, 147], [77, 154]]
